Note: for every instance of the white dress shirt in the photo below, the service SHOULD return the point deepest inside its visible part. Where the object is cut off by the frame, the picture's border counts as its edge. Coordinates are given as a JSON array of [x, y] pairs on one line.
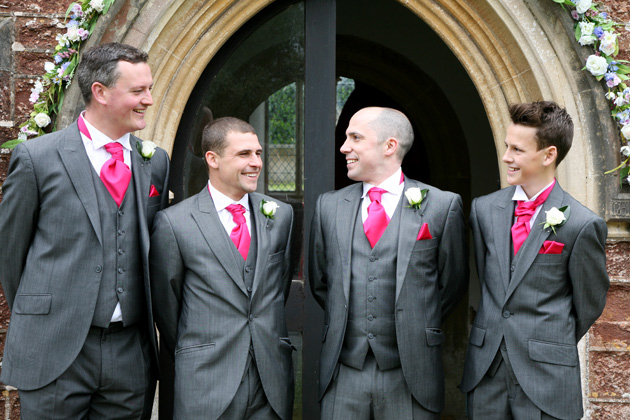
[[389, 199], [221, 201]]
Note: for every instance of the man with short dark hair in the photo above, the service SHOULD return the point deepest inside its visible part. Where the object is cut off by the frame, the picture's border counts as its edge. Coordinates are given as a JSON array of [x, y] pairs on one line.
[[77, 209], [542, 267], [220, 270]]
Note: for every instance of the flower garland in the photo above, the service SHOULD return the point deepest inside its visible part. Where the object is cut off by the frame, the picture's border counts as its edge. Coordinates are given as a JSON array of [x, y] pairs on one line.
[[48, 92], [597, 29]]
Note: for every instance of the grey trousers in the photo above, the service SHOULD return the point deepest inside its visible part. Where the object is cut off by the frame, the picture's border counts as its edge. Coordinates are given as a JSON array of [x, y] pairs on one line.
[[109, 380], [250, 401], [371, 394], [499, 396]]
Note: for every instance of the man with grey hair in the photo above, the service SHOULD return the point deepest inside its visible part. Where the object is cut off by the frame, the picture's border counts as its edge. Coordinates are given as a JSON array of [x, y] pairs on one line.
[[78, 205], [387, 262]]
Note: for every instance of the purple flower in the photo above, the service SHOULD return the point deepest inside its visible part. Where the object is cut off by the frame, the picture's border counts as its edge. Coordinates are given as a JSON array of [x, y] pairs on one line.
[[603, 15], [574, 14], [58, 58], [599, 32], [613, 66], [612, 79], [77, 11]]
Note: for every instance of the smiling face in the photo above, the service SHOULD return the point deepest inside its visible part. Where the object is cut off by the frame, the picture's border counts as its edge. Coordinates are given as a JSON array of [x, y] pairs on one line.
[[235, 171], [368, 158], [122, 106], [527, 166]]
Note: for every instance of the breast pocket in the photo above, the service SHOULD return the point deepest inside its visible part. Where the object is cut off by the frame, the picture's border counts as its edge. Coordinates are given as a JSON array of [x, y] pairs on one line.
[[425, 245], [276, 257]]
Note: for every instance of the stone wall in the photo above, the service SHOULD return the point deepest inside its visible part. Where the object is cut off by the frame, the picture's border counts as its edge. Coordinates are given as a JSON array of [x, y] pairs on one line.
[[27, 39]]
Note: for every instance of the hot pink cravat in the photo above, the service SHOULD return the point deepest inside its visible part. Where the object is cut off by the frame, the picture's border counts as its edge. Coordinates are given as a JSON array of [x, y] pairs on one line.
[[377, 219], [115, 173], [240, 234], [524, 211]]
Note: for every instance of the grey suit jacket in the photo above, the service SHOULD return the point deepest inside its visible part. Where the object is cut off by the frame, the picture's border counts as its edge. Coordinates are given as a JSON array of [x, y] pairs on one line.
[[205, 313], [542, 304], [431, 277], [52, 269]]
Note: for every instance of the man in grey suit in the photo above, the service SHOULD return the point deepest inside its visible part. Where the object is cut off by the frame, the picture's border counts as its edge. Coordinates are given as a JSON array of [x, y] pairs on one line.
[[81, 342], [542, 267], [220, 270], [387, 262]]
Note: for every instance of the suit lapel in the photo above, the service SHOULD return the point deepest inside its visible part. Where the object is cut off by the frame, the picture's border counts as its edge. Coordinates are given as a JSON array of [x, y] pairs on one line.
[[141, 178], [537, 236], [503, 216], [77, 163], [216, 237], [410, 224], [263, 237], [346, 214]]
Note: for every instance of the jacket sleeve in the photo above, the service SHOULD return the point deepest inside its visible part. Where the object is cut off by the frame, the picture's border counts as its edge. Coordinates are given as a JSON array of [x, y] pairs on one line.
[[453, 258], [167, 277], [587, 271], [317, 258], [19, 211]]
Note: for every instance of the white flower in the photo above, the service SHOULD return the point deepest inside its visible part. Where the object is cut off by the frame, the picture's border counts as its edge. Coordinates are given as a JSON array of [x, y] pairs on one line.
[[586, 28], [554, 217], [583, 5], [73, 33], [49, 66], [625, 150], [97, 5], [42, 119], [415, 197], [596, 65], [269, 208], [146, 149], [625, 130]]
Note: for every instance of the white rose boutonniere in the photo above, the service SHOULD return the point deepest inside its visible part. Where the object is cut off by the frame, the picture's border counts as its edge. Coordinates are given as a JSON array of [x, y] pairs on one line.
[[146, 149], [415, 196], [556, 217], [269, 208], [42, 119]]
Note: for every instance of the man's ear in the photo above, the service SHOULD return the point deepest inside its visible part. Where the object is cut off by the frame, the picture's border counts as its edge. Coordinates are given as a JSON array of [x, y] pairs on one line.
[[391, 146], [551, 156], [212, 159], [99, 93]]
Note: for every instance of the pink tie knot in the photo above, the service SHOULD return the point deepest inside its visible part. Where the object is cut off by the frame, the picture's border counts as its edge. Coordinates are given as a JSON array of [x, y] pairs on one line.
[[238, 212], [375, 194], [116, 150]]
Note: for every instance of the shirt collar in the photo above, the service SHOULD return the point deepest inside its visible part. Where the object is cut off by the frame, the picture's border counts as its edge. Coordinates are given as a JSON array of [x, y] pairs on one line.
[[519, 193], [391, 184], [99, 139], [221, 201]]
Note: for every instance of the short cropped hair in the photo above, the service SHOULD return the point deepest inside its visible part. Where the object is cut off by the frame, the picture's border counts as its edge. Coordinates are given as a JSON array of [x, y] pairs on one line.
[[389, 123], [214, 137], [554, 126], [100, 64]]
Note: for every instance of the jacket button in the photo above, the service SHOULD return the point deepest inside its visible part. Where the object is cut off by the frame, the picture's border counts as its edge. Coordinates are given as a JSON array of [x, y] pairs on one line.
[[98, 269], [506, 314], [251, 318], [120, 290], [370, 336]]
